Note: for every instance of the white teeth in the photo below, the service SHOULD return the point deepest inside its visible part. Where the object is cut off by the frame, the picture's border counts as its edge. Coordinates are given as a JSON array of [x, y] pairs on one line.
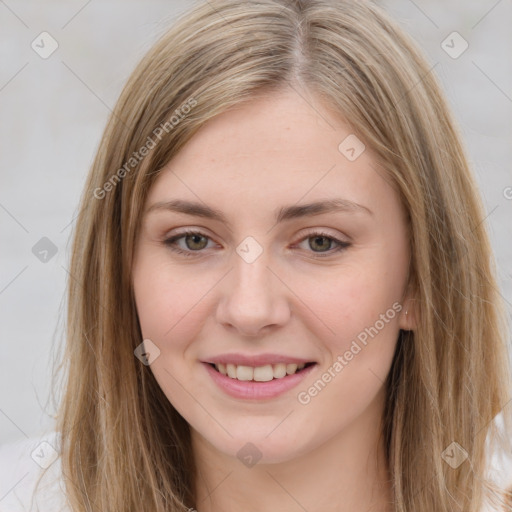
[[231, 369], [244, 372], [263, 373], [279, 371], [259, 373], [291, 368]]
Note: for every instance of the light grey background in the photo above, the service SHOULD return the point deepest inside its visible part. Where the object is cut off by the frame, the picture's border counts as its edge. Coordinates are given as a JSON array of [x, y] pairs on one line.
[[53, 112]]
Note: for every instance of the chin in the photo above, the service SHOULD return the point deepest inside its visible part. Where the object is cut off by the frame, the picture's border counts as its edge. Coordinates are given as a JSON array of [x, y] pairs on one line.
[[254, 448]]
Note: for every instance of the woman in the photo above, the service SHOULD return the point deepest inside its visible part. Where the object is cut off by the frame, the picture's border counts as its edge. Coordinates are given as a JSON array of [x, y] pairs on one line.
[[282, 292]]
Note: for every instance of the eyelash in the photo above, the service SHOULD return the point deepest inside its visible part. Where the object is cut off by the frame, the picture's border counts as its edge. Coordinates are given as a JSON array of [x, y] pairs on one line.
[[171, 243]]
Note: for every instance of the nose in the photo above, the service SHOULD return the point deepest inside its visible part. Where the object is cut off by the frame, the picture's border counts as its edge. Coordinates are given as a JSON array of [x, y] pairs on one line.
[[253, 300]]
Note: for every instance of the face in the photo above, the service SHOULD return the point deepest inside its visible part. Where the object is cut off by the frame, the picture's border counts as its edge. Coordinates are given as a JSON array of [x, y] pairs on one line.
[[233, 268]]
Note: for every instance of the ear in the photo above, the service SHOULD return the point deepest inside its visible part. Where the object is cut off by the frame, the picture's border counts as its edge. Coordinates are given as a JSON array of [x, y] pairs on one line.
[[409, 316]]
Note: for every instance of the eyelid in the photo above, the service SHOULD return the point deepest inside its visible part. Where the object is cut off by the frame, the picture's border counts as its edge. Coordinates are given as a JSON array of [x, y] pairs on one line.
[[170, 242]]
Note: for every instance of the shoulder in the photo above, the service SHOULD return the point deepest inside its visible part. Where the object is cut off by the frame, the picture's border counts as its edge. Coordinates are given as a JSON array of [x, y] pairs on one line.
[[499, 470], [22, 464]]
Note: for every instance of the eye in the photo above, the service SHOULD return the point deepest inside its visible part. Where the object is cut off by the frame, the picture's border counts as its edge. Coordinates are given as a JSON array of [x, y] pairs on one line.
[[195, 242], [320, 240]]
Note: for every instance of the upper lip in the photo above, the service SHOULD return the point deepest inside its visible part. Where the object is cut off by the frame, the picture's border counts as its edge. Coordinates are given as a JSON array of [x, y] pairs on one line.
[[256, 360]]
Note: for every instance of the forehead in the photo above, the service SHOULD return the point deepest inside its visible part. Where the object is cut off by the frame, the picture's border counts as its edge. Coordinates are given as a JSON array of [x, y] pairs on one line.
[[273, 150], [277, 128]]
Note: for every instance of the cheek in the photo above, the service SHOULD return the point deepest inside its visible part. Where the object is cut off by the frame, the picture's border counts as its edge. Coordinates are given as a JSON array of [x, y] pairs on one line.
[[361, 309], [360, 305], [169, 302], [348, 301], [170, 309]]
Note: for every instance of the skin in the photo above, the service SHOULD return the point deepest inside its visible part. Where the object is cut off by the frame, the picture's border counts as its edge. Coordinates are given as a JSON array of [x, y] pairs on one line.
[[277, 150]]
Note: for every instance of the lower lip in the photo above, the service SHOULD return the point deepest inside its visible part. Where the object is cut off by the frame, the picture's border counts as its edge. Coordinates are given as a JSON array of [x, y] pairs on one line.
[[251, 390]]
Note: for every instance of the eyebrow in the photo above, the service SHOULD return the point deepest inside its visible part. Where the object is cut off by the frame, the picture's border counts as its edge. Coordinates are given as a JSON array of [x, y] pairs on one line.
[[282, 214]]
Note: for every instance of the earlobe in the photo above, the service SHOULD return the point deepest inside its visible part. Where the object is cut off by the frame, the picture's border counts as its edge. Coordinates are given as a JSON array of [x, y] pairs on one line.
[[408, 316]]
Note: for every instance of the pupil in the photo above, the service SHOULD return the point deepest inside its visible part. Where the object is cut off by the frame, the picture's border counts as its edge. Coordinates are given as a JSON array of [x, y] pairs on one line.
[[325, 239], [195, 239]]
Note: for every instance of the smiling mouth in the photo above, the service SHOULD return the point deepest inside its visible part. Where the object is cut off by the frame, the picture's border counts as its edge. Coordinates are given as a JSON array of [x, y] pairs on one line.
[[264, 373]]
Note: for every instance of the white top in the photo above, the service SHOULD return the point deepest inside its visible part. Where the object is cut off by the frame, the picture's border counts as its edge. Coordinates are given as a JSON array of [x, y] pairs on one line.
[[21, 465]]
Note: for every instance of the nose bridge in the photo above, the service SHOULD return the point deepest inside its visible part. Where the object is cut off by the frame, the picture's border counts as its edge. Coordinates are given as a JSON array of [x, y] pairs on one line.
[[252, 299], [251, 280]]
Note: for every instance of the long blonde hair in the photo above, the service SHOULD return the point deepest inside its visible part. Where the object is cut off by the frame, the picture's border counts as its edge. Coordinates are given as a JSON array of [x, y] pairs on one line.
[[124, 446]]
